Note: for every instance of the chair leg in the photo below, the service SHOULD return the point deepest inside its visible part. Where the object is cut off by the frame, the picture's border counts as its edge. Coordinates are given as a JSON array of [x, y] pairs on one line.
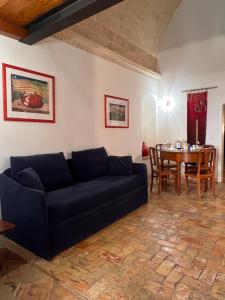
[[206, 185], [159, 184], [166, 179], [213, 186], [175, 179], [151, 185], [186, 184], [199, 187]]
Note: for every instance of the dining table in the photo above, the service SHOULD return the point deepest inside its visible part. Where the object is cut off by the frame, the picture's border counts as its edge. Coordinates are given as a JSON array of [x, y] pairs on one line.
[[179, 156]]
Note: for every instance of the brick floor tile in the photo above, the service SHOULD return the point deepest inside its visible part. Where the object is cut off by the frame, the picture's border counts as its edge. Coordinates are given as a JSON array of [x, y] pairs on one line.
[[171, 248], [171, 251], [94, 254], [197, 295], [158, 290], [188, 272], [212, 264], [218, 251], [93, 265], [223, 260], [166, 243], [129, 259], [138, 246], [97, 289], [160, 256], [79, 285], [193, 241], [218, 290], [182, 246], [197, 284], [181, 292], [172, 278], [105, 297], [58, 292], [190, 253], [165, 267], [111, 257], [208, 254], [159, 235], [208, 276], [174, 239], [199, 263], [183, 262], [153, 249], [220, 276], [147, 254]]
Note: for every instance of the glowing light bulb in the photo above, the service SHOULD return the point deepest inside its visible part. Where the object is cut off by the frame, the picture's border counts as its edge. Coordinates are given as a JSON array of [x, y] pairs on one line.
[[167, 103]]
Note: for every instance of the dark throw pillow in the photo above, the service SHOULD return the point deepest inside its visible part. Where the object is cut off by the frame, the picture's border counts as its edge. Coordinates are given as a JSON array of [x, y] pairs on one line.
[[51, 168], [29, 178], [120, 165], [89, 164]]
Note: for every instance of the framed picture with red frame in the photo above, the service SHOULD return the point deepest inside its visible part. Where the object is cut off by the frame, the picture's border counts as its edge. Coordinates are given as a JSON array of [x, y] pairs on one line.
[[116, 112], [28, 95]]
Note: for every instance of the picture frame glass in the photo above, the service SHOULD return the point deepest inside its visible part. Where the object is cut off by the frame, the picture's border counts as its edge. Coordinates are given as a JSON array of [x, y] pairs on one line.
[[116, 112], [28, 95]]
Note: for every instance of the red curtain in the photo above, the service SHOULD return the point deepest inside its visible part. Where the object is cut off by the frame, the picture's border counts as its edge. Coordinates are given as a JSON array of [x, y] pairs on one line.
[[196, 117]]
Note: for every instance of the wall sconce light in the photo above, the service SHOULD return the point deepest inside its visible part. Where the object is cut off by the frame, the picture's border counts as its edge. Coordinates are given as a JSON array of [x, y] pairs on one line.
[[167, 103]]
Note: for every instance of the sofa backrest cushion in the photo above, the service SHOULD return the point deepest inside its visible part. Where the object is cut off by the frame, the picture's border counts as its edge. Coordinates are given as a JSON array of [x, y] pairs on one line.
[[91, 163], [120, 165], [52, 169], [7, 172], [29, 177]]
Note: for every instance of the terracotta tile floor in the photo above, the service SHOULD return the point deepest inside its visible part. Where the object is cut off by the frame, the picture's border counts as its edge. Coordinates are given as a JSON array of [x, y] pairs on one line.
[[173, 248]]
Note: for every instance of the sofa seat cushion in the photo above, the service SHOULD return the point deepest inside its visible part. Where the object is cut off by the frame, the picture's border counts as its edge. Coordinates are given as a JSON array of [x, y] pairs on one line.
[[84, 196]]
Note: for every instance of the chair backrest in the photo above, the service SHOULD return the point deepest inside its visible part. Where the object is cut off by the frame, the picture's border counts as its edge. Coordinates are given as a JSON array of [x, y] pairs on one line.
[[158, 146], [207, 158], [166, 145], [208, 146], [154, 157]]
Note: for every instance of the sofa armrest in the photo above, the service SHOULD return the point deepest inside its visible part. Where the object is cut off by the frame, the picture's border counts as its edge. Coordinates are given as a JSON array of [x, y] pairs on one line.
[[141, 169], [26, 208]]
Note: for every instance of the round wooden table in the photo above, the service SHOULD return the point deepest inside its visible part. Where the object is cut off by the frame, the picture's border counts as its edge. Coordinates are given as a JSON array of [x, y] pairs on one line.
[[179, 156]]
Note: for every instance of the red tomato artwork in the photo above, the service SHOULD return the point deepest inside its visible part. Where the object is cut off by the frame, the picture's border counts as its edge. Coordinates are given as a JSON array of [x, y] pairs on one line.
[[32, 100]]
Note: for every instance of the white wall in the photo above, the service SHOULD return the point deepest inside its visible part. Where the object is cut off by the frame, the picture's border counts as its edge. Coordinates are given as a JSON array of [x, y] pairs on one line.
[[82, 80], [192, 56], [117, 81]]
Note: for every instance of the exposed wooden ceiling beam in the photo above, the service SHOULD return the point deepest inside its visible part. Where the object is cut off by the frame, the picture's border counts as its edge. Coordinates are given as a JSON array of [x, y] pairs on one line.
[[65, 15], [12, 30], [3, 2]]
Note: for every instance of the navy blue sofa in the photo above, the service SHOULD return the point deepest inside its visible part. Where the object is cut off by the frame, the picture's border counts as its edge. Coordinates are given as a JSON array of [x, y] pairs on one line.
[[56, 203]]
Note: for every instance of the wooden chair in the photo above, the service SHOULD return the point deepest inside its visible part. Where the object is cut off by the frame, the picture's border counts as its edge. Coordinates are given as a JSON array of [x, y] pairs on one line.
[[194, 165], [204, 171], [168, 164], [158, 171]]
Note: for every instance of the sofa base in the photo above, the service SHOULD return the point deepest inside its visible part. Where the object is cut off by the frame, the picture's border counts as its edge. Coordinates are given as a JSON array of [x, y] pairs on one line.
[[73, 230]]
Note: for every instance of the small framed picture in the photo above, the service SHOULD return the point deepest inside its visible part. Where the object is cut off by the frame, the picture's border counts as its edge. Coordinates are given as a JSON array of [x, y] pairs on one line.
[[28, 95], [116, 112]]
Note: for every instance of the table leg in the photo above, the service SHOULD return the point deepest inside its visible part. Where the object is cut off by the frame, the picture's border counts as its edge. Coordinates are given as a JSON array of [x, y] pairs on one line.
[[3, 255], [178, 178]]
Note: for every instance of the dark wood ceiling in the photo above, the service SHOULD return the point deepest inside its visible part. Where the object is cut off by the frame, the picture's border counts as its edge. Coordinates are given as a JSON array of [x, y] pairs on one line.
[[23, 12], [33, 20]]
